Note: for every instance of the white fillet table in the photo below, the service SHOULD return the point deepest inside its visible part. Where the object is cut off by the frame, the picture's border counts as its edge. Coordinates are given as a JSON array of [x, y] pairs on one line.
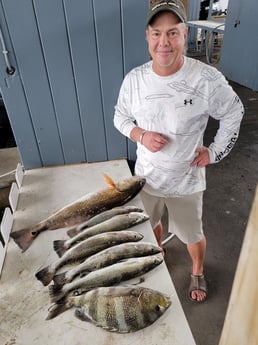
[[24, 301]]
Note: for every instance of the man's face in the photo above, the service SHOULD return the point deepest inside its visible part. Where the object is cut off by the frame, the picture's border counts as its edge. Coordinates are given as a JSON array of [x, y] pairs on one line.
[[166, 40]]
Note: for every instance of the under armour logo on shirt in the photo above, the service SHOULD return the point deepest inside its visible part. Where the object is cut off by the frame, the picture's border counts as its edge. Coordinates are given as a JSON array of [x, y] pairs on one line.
[[189, 101]]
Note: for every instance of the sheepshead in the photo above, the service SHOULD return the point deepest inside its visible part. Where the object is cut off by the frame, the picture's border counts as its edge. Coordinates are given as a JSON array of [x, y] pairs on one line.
[[84, 249], [101, 217], [116, 223], [108, 257], [120, 309], [82, 209], [106, 276]]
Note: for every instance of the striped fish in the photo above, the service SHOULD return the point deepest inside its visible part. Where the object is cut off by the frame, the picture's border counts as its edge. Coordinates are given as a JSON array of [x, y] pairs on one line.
[[117, 309]]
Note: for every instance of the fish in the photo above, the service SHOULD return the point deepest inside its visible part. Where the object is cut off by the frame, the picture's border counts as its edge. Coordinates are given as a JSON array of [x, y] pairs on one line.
[[116, 223], [101, 217], [110, 275], [84, 249], [107, 257], [121, 309], [82, 209]]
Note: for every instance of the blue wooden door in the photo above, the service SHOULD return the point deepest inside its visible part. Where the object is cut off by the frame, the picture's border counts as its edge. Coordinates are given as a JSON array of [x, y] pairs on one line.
[[70, 57]]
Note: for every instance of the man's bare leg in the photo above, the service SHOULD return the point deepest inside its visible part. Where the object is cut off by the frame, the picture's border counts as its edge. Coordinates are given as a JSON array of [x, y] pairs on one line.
[[158, 232], [197, 253]]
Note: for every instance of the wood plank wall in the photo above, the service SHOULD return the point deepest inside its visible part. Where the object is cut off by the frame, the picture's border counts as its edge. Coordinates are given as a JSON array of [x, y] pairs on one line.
[[241, 322]]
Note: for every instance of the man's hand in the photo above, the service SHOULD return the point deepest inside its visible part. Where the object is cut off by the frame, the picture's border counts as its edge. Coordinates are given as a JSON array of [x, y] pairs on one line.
[[154, 141], [203, 158]]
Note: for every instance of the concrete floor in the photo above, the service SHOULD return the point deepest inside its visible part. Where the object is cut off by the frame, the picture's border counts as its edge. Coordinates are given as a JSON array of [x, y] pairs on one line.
[[227, 203]]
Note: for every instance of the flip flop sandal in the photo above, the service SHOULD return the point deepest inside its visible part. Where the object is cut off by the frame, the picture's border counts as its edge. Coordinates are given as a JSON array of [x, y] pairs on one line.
[[197, 283]]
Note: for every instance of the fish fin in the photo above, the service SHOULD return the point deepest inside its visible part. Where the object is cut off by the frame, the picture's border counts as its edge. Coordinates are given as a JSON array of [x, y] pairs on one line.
[[72, 232], [84, 273], [24, 238], [134, 282], [81, 315], [56, 293], [56, 309], [60, 279], [109, 181], [59, 247], [45, 275]]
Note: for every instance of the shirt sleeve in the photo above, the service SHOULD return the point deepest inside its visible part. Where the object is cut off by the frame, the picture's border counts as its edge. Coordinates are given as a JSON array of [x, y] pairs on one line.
[[226, 107], [123, 118]]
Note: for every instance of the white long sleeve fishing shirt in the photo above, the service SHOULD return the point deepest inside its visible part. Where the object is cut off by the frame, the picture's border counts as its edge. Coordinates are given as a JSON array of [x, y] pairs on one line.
[[178, 106]]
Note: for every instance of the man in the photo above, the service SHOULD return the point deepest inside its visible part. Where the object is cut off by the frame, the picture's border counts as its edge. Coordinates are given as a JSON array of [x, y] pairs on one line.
[[164, 106]]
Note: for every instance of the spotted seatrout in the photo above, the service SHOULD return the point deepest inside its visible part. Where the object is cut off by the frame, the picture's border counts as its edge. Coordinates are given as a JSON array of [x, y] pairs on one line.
[[118, 309], [106, 276], [101, 217], [108, 257], [116, 223], [82, 209], [84, 249]]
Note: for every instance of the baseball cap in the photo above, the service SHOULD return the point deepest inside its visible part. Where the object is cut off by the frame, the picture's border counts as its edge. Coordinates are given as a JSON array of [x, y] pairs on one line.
[[174, 6]]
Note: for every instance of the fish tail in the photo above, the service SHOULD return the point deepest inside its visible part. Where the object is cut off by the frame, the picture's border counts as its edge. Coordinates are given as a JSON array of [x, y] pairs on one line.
[[72, 232], [109, 181], [45, 275], [24, 238], [60, 279], [59, 247], [57, 309], [56, 293]]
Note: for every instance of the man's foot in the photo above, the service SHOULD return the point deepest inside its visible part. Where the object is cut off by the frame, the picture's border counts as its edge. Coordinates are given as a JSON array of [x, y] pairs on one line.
[[198, 288]]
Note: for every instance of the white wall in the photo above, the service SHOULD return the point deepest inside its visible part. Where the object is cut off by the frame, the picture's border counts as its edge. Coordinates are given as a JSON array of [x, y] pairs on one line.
[[224, 4]]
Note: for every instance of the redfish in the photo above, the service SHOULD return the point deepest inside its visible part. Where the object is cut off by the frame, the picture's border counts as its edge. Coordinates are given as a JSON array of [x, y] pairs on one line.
[[83, 209]]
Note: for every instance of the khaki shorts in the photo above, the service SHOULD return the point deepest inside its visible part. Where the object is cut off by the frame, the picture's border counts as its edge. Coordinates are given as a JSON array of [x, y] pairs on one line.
[[185, 214]]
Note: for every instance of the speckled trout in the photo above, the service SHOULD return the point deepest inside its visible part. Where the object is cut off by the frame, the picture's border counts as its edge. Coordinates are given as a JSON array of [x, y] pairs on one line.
[[116, 223], [116, 194], [108, 257], [121, 309], [110, 275], [101, 217], [86, 248]]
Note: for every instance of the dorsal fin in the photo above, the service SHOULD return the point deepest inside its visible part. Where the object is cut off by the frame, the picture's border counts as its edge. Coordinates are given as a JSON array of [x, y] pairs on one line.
[[109, 181]]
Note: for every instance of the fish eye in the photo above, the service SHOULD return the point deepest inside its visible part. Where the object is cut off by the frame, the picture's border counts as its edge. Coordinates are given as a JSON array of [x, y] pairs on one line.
[[76, 293], [157, 307]]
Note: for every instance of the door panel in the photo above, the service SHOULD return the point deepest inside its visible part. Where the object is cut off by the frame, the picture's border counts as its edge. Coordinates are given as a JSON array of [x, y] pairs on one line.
[[70, 59], [240, 43]]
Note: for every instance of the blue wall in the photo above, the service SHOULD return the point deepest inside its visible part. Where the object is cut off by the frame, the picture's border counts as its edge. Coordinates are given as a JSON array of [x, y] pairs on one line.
[[70, 59]]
